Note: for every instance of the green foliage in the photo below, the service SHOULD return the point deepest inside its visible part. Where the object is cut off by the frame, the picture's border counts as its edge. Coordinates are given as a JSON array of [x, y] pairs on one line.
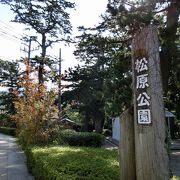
[[105, 80], [73, 113], [8, 130], [175, 178], [5, 120], [9, 74], [3, 116], [86, 94], [107, 132], [50, 19], [64, 163], [101, 88], [7, 102], [45, 17], [74, 138], [125, 18]]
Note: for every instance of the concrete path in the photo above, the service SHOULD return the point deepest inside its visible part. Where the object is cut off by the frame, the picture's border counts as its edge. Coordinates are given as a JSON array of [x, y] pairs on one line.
[[175, 157], [109, 144], [12, 160], [175, 162]]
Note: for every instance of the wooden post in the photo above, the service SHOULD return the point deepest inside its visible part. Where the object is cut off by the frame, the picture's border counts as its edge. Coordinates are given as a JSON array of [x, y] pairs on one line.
[[126, 146], [149, 117]]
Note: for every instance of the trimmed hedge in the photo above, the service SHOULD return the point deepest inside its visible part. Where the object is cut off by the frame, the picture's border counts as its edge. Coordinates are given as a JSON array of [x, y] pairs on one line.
[[8, 130], [72, 163], [74, 138]]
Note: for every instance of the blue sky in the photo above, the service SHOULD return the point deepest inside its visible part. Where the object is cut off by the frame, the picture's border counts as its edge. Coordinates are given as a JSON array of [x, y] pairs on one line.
[[87, 13]]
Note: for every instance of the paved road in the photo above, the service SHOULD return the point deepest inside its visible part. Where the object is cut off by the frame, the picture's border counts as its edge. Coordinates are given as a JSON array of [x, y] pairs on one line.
[[12, 160]]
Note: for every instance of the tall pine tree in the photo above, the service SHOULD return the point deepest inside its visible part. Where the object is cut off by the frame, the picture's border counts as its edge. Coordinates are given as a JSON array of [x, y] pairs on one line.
[[49, 19]]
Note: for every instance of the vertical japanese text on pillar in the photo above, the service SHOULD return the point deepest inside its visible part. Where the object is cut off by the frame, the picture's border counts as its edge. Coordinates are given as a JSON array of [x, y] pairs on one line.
[[142, 97]]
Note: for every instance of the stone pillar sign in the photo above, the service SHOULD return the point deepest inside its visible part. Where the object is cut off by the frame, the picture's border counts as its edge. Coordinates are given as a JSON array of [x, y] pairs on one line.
[[149, 118]]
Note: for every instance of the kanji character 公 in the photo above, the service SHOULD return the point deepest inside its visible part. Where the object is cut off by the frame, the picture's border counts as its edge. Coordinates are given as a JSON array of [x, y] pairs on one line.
[[143, 99]]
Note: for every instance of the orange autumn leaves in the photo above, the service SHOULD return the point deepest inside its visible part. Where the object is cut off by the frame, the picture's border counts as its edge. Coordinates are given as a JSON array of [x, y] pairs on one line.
[[34, 109]]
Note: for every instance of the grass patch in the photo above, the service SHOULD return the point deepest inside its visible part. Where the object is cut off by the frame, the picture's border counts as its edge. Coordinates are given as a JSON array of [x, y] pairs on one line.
[[73, 163], [8, 130], [175, 178]]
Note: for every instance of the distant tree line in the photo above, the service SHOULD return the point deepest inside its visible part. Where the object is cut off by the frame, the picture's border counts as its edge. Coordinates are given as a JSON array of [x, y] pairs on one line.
[[101, 88]]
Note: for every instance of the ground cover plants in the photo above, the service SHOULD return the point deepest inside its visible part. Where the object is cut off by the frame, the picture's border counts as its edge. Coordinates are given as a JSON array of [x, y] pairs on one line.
[[8, 130], [62, 163]]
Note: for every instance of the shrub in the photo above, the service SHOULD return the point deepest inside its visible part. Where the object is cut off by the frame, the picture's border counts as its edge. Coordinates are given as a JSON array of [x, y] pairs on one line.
[[34, 110], [4, 116], [72, 163], [5, 120], [175, 178], [8, 130], [107, 132], [74, 138]]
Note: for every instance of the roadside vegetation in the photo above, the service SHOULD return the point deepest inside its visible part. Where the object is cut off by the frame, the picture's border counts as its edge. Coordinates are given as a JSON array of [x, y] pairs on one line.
[[175, 178], [55, 162], [97, 90], [8, 130]]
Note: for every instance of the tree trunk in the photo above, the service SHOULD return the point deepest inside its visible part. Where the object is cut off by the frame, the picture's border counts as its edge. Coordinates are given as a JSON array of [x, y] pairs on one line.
[[127, 146], [43, 55], [98, 125], [86, 122], [149, 117], [40, 74], [168, 52]]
